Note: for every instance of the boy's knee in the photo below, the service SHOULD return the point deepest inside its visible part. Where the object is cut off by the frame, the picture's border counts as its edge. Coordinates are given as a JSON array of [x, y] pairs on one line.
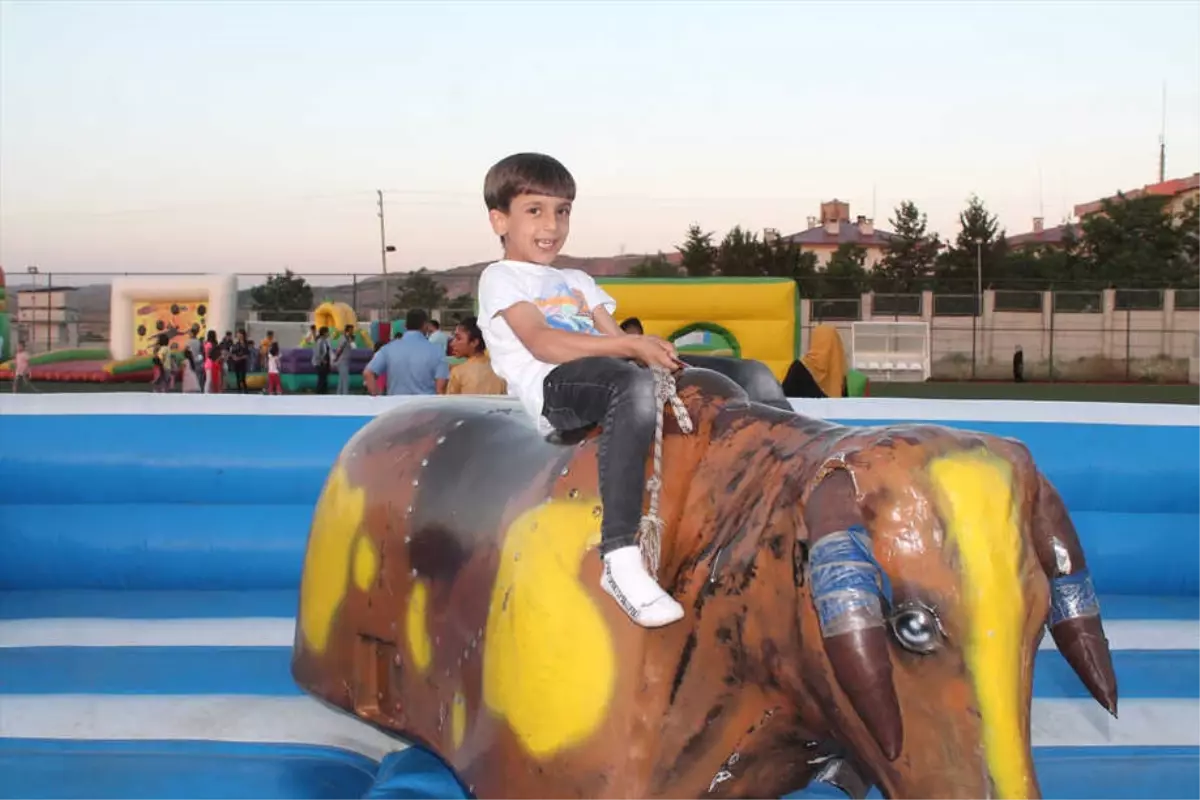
[[635, 395]]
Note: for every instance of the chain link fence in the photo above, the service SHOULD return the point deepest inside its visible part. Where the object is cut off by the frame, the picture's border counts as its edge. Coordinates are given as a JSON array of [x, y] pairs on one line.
[[1075, 333]]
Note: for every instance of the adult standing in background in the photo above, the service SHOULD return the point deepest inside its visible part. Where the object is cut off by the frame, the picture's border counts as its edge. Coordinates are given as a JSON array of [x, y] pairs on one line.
[[413, 364], [321, 357], [341, 359], [437, 337]]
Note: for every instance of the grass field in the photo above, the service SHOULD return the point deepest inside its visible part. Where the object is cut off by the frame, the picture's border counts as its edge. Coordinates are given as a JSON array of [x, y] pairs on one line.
[[1063, 392], [942, 390]]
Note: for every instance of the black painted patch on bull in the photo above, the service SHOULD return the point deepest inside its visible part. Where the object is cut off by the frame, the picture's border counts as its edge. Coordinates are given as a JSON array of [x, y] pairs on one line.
[[684, 660], [463, 491]]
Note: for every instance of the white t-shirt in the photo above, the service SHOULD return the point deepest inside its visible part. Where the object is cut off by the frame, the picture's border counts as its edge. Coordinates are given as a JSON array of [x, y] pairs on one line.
[[273, 364], [565, 296]]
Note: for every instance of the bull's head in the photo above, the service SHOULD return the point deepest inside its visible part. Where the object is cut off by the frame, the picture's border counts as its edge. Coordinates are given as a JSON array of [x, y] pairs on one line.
[[929, 594]]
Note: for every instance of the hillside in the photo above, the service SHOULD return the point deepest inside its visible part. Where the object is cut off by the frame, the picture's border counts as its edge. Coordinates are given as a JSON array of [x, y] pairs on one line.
[[92, 301]]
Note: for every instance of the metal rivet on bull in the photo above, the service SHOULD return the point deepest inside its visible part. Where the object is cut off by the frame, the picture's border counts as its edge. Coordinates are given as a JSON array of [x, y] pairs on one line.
[[573, 493], [415, 482], [397, 660], [565, 470], [459, 423], [424, 462], [414, 572], [597, 511], [407, 539], [441, 439]]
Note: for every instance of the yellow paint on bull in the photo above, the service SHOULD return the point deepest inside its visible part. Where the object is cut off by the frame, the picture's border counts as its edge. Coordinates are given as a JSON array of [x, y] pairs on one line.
[[335, 525], [366, 563], [974, 494], [549, 666], [417, 628], [458, 720]]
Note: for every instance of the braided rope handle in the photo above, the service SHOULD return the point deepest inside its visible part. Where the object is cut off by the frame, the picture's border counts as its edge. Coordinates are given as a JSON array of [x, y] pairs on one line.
[[651, 525]]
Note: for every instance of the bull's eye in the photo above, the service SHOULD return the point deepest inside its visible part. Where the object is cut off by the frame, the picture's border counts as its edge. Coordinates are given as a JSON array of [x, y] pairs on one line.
[[916, 627]]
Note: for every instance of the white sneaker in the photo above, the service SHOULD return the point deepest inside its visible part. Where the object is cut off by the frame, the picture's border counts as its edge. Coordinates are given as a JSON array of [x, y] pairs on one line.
[[627, 581]]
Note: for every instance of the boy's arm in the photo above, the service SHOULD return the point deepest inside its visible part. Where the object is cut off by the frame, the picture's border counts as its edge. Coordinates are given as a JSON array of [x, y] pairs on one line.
[[605, 322], [554, 346]]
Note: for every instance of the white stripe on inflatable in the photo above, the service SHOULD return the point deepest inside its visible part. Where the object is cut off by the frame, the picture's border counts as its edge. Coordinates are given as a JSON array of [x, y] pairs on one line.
[[237, 632], [1143, 723], [222, 718], [280, 632], [302, 720], [856, 409]]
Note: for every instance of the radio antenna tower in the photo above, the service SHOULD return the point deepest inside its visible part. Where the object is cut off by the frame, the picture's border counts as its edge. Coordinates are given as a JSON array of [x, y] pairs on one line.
[[1162, 138]]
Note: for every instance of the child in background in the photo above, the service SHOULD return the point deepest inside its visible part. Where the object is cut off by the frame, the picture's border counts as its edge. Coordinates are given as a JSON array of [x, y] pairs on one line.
[[162, 364], [212, 364], [190, 379], [274, 384], [21, 367]]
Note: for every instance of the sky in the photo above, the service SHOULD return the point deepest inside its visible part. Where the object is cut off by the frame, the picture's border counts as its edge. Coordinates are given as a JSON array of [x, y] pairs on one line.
[[250, 137]]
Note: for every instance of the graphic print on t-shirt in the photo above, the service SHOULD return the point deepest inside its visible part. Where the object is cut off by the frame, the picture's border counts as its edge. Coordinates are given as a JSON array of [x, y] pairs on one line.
[[566, 309]]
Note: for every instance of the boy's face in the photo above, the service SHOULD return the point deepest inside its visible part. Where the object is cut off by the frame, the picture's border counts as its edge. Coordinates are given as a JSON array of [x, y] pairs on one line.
[[534, 229]]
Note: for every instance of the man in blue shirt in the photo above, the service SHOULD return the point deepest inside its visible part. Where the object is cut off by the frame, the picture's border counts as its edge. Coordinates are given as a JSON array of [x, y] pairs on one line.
[[412, 365]]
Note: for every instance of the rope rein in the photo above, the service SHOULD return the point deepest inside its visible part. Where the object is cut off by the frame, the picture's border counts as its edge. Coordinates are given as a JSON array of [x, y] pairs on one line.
[[651, 525]]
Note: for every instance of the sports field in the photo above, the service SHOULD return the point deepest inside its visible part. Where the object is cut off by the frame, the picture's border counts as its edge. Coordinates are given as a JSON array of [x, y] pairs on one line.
[[1063, 392]]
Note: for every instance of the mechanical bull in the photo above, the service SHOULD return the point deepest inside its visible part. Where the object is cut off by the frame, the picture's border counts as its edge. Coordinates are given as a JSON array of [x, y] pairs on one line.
[[864, 605]]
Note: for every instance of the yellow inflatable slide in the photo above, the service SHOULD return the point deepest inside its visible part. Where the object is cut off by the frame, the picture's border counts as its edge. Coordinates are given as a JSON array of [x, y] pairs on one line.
[[754, 318]]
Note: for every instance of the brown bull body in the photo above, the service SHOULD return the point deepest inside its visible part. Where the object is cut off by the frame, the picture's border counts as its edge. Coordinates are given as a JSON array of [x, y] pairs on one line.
[[451, 596]]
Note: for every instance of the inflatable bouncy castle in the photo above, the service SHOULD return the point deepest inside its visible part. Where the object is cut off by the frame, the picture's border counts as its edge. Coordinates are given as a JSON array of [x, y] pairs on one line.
[[7, 346]]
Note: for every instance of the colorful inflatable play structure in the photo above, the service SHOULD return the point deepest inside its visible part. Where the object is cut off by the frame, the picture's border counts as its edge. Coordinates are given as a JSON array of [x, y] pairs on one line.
[[752, 318], [7, 346], [142, 308], [398, 597], [297, 372]]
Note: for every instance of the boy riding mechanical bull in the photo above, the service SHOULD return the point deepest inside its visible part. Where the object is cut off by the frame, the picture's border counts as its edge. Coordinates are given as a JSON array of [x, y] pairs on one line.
[[861, 606]]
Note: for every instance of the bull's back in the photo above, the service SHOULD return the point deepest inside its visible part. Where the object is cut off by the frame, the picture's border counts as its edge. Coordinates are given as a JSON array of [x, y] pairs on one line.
[[428, 520]]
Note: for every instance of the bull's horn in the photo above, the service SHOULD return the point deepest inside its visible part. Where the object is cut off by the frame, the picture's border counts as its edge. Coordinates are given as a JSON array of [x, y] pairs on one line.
[[1074, 610], [845, 590]]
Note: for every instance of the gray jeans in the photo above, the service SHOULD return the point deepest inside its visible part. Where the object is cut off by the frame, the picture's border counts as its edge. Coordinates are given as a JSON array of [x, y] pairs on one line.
[[619, 396]]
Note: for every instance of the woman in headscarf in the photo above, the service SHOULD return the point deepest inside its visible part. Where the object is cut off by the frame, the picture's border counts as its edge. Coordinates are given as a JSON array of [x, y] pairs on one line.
[[821, 372]]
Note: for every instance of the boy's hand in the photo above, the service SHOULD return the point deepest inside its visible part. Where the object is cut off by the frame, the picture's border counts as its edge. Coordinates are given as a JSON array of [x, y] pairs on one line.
[[654, 352]]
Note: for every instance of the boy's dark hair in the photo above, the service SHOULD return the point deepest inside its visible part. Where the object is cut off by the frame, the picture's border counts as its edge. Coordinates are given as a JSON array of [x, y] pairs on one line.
[[415, 320], [273, 349], [474, 334], [631, 322], [526, 173]]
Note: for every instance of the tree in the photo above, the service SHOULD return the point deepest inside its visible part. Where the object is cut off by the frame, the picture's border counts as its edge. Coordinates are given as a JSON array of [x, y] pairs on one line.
[[699, 257], [782, 259], [739, 254], [654, 267], [846, 274], [911, 255], [282, 298], [419, 290], [1134, 243], [979, 240]]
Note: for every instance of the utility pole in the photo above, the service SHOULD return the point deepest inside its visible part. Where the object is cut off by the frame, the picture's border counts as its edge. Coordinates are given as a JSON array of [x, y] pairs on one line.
[[383, 251], [1162, 138]]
